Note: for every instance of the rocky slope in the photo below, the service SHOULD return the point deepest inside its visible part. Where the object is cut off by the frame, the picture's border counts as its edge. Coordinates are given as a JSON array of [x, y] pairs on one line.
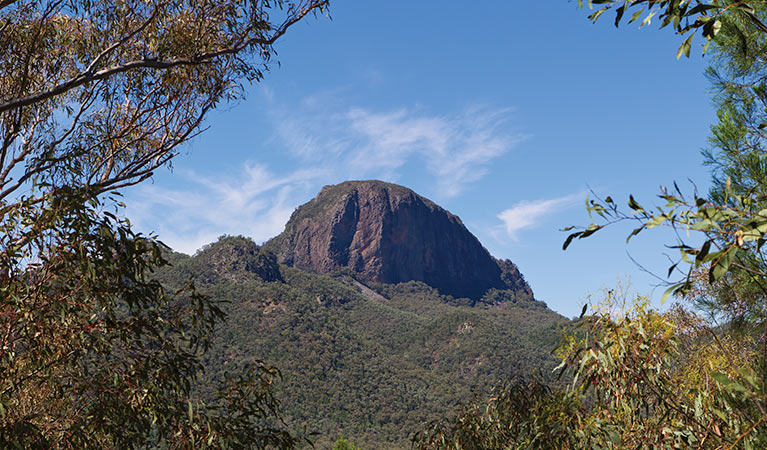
[[389, 234]]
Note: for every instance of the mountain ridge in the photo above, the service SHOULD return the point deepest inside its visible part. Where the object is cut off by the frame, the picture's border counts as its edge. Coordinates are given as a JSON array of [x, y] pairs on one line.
[[372, 357], [372, 361], [388, 233]]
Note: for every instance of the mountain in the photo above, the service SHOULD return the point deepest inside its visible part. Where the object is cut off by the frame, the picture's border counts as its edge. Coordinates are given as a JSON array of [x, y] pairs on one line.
[[366, 349], [389, 234]]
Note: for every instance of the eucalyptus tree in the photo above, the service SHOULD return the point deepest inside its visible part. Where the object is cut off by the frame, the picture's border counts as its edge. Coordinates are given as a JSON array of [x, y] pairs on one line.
[[675, 379], [733, 216], [94, 97], [638, 379], [723, 270]]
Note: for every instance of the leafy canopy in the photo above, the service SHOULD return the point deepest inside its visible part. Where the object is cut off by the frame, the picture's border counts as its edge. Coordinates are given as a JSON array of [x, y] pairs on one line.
[[95, 96], [686, 17], [638, 379]]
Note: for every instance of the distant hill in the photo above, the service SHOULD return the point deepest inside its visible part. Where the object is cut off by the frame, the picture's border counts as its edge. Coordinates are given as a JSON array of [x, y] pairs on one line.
[[362, 354], [387, 233]]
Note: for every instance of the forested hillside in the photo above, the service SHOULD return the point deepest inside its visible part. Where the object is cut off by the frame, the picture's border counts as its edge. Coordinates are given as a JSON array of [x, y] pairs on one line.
[[376, 318], [372, 362]]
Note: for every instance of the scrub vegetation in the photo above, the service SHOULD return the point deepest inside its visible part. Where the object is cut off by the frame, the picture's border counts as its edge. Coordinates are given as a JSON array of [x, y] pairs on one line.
[[110, 340]]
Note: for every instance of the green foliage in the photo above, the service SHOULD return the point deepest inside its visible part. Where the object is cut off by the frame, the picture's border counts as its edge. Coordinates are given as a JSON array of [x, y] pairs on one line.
[[96, 354], [733, 230], [731, 221], [375, 363], [95, 96], [687, 18], [521, 415], [705, 382], [638, 379], [100, 94], [513, 278], [232, 258], [343, 444]]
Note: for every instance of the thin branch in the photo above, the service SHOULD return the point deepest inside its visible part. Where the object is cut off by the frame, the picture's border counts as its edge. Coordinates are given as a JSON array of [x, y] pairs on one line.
[[26, 149], [8, 140], [745, 433], [6, 3], [84, 105], [18, 382], [755, 20], [5, 25], [135, 174], [121, 42], [149, 63], [750, 270]]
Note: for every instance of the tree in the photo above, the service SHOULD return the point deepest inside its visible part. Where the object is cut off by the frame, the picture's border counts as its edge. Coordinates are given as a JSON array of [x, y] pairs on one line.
[[733, 217], [95, 96], [99, 95], [343, 444], [638, 379], [726, 275], [688, 377], [529, 415], [686, 18]]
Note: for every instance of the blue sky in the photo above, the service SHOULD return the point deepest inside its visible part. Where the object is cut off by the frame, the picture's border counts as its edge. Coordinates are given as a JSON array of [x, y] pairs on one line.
[[505, 113]]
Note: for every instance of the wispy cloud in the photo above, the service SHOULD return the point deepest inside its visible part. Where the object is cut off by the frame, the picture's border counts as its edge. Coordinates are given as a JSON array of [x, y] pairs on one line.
[[253, 202], [455, 150], [530, 213], [324, 141]]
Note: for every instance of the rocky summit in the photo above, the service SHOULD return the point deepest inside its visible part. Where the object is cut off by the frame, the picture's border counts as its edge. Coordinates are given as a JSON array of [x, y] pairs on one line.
[[387, 233]]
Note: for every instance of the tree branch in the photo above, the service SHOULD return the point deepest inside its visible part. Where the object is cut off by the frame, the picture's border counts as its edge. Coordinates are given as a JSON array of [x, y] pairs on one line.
[[122, 41], [759, 24], [150, 63], [5, 3]]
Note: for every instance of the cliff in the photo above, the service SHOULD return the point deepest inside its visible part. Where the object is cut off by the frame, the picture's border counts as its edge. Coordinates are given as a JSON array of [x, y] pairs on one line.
[[387, 233]]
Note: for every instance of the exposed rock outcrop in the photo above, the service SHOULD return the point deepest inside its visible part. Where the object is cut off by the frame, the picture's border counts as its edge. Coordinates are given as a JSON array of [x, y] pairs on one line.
[[388, 233]]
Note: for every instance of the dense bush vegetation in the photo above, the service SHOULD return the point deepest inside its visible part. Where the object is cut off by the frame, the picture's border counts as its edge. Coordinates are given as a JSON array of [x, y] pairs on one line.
[[94, 97], [636, 378], [373, 364]]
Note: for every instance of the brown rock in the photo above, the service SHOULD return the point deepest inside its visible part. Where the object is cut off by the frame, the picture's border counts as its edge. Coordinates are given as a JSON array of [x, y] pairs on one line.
[[388, 233]]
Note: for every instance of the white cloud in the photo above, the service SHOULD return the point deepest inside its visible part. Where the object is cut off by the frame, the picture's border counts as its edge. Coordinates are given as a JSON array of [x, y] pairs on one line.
[[327, 142], [253, 202], [454, 150], [530, 213]]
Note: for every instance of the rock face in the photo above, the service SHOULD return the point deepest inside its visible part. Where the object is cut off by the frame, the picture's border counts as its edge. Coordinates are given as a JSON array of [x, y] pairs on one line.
[[388, 233]]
